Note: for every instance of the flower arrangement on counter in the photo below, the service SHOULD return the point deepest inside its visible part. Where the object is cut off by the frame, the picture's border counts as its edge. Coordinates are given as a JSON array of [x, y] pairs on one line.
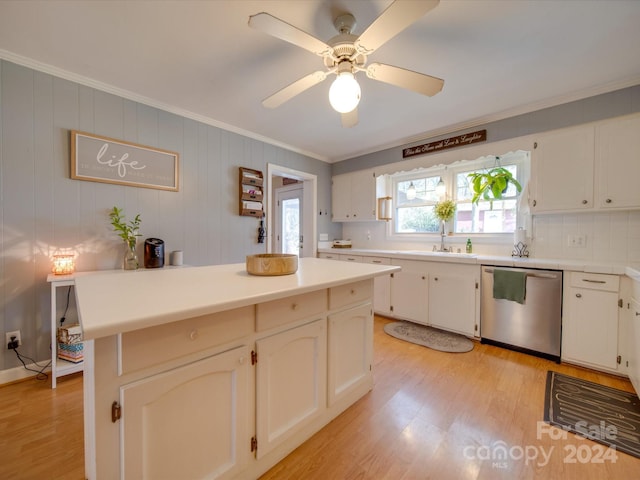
[[444, 210]]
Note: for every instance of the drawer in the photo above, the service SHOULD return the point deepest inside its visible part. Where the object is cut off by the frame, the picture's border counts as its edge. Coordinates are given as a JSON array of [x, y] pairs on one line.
[[350, 258], [377, 260], [150, 346], [279, 312], [350, 293], [329, 256], [595, 281]]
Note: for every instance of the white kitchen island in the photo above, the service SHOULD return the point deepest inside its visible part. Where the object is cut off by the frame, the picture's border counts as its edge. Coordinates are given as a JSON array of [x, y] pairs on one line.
[[208, 372]]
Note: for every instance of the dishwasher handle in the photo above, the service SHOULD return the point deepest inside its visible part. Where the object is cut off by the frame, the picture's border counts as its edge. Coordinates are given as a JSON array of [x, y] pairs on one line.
[[550, 276]]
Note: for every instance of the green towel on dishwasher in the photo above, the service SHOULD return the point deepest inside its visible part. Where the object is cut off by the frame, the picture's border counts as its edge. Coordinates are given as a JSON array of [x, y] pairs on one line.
[[509, 285]]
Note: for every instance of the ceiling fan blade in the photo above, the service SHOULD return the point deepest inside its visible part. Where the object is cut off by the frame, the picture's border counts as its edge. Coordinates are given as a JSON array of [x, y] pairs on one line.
[[414, 81], [294, 89], [398, 16], [350, 119], [280, 29]]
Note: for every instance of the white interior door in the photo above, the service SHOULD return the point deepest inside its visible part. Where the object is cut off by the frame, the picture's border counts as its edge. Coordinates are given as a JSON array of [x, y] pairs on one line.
[[289, 220], [308, 210]]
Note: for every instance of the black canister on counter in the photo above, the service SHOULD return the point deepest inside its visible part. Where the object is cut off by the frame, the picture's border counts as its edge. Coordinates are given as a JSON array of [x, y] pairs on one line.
[[153, 253]]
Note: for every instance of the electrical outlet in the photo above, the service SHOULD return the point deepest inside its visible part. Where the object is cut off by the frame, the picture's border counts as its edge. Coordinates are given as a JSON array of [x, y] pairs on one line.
[[17, 339], [579, 241]]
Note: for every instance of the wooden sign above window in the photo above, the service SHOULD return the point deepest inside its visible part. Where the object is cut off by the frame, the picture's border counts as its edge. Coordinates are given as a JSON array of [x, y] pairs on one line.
[[452, 142]]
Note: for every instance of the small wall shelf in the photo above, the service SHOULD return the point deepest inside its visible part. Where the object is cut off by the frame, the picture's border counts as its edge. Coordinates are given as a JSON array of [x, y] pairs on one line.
[[251, 193]]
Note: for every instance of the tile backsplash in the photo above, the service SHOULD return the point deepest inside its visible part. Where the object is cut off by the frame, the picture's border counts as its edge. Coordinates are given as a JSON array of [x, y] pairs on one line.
[[609, 236], [601, 237]]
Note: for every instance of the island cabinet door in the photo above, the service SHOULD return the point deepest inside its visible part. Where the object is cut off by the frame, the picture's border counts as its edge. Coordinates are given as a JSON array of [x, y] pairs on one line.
[[350, 351], [291, 383], [190, 422]]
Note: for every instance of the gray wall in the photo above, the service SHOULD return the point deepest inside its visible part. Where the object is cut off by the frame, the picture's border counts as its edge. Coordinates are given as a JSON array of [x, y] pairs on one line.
[[599, 107], [43, 210]]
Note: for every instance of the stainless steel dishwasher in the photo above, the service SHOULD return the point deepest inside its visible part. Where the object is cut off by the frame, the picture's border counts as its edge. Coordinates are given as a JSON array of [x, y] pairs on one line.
[[535, 326]]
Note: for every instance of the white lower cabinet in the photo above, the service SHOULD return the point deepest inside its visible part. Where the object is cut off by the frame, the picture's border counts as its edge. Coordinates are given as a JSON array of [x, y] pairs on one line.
[[590, 320], [443, 295], [633, 343], [454, 297], [197, 413], [381, 287], [291, 379], [409, 291], [350, 351]]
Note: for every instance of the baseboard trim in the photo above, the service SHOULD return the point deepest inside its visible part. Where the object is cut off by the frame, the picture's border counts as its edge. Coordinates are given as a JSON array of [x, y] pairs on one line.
[[18, 374]]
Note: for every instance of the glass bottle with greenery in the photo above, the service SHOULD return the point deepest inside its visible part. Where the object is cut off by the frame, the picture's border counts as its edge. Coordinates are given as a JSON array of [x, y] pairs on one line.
[[128, 231]]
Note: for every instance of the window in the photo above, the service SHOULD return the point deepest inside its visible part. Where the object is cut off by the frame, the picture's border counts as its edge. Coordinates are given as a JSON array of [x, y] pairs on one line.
[[414, 202], [415, 196], [486, 217]]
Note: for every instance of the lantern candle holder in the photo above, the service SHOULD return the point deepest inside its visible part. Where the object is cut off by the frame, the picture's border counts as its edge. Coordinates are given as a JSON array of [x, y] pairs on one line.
[[63, 264]]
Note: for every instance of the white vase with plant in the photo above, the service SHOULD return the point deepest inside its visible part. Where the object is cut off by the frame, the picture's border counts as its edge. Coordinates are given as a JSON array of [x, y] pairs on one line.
[[444, 210], [129, 232]]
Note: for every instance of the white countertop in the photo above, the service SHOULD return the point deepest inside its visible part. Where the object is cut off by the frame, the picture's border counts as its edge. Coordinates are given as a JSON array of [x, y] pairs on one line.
[[118, 301], [553, 264]]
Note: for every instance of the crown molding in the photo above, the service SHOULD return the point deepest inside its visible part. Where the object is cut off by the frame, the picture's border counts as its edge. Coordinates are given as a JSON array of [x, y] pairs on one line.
[[120, 92], [504, 114]]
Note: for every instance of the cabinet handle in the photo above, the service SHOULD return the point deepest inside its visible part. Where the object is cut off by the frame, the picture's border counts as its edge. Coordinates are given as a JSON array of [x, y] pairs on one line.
[[578, 295], [608, 200], [584, 202], [294, 306], [193, 335], [593, 281], [353, 292], [377, 261], [423, 277], [436, 279], [637, 314], [535, 203]]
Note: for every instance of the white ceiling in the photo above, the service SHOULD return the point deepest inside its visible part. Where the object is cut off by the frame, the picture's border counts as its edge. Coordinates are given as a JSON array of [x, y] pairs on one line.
[[201, 59]]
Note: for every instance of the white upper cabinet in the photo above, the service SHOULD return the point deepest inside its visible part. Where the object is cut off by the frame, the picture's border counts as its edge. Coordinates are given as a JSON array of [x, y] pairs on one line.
[[618, 163], [589, 167], [562, 170], [353, 197]]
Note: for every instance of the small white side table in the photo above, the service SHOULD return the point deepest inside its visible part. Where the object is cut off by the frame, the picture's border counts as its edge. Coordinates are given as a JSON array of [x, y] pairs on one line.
[[59, 367]]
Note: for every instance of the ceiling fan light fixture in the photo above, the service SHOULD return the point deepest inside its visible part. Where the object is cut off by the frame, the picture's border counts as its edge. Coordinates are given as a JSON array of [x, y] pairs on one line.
[[344, 94]]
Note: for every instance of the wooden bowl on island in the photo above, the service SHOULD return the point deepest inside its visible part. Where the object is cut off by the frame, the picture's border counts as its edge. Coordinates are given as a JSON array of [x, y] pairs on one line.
[[272, 264]]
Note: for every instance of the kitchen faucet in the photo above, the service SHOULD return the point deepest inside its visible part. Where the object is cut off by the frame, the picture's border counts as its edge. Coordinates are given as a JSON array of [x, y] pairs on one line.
[[442, 247]]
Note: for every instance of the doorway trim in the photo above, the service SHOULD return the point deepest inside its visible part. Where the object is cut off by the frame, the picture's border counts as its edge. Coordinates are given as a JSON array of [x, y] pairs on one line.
[[310, 201]]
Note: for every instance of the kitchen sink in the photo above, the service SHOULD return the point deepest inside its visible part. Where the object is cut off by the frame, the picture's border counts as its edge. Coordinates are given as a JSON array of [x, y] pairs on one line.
[[430, 253]]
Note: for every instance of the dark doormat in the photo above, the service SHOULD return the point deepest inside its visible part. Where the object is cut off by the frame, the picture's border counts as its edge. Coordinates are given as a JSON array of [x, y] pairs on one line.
[[603, 414]]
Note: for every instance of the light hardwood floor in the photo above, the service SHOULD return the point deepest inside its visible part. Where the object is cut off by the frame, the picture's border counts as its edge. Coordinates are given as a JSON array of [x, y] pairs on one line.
[[431, 415]]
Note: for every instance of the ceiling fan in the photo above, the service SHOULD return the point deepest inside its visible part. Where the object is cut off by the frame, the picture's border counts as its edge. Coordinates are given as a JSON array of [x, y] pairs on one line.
[[346, 54]]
